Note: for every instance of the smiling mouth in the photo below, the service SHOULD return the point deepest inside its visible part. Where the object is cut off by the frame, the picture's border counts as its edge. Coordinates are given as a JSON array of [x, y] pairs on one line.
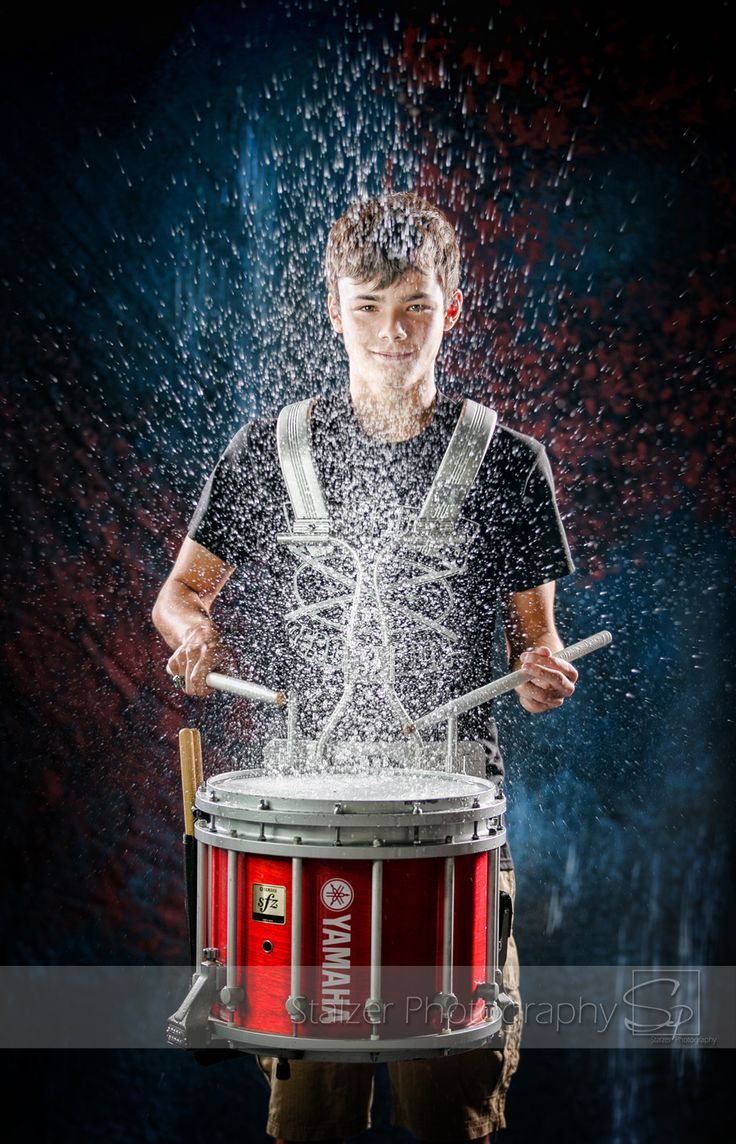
[[392, 357]]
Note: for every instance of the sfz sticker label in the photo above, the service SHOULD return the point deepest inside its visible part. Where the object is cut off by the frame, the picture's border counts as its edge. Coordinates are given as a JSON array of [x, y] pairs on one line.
[[268, 903]]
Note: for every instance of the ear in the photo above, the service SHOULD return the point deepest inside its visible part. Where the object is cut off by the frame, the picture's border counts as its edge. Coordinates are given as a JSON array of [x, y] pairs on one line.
[[333, 309], [452, 313]]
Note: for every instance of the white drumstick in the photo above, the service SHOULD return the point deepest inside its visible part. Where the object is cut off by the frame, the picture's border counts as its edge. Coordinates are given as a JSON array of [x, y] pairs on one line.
[[245, 689], [505, 683], [242, 687]]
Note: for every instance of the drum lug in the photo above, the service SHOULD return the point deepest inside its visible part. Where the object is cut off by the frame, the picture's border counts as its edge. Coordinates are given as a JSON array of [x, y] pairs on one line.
[[446, 1002], [509, 1008], [232, 995], [297, 1008], [374, 1011], [487, 991]]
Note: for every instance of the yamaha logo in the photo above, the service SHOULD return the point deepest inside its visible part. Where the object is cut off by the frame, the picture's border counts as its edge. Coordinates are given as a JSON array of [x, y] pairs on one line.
[[337, 894]]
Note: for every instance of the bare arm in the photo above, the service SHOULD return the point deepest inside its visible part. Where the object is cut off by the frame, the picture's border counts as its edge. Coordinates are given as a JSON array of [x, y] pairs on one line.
[[531, 640], [182, 615]]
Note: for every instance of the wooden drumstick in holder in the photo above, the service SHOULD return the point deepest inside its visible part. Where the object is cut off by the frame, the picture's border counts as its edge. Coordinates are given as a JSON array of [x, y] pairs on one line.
[[190, 754]]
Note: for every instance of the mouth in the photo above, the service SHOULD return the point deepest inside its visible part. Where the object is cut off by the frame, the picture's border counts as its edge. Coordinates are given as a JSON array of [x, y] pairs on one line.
[[392, 357]]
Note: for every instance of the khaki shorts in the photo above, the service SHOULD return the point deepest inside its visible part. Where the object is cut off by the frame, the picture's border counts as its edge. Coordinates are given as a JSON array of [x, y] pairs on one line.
[[458, 1097]]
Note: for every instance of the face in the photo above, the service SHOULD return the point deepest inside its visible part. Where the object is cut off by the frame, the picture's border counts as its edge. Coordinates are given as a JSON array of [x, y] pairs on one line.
[[392, 335]]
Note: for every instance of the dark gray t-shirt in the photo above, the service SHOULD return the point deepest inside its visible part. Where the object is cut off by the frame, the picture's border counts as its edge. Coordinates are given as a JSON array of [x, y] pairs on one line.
[[519, 544]]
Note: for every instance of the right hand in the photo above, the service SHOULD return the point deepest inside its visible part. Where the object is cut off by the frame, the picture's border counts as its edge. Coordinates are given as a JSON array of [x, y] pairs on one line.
[[201, 652]]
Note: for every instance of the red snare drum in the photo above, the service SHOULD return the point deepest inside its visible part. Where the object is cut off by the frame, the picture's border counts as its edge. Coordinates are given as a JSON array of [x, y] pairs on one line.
[[350, 917]]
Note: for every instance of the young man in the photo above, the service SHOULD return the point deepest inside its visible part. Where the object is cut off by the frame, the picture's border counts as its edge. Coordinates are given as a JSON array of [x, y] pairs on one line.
[[392, 268]]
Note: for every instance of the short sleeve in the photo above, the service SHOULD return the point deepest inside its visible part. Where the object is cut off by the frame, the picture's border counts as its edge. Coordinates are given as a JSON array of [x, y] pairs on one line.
[[223, 521], [536, 548]]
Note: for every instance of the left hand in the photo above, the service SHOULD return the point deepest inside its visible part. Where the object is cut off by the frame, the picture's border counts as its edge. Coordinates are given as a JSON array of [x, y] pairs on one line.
[[551, 680]]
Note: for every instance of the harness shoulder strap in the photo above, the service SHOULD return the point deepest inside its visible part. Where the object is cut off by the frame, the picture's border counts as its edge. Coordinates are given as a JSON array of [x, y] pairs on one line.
[[297, 465], [454, 478], [460, 464]]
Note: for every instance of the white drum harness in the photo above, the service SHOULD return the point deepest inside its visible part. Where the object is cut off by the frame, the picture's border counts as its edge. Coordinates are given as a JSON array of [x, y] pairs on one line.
[[433, 546]]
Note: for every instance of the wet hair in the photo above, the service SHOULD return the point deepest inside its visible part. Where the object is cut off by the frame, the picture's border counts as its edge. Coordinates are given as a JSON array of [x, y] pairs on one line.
[[379, 239]]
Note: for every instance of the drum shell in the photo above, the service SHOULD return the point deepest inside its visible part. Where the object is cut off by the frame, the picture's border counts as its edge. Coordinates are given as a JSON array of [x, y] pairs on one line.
[[259, 839], [336, 945]]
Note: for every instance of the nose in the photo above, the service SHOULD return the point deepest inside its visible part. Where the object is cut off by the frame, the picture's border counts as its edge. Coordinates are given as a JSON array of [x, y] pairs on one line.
[[392, 328]]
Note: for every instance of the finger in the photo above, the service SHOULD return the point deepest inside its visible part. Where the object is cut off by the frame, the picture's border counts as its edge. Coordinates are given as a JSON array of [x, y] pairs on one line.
[[177, 663], [538, 649], [190, 657], [540, 693], [544, 658], [549, 678], [536, 706], [531, 706], [531, 655], [565, 668], [198, 669]]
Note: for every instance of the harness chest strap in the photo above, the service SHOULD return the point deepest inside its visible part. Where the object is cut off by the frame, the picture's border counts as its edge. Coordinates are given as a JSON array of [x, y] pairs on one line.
[[457, 472]]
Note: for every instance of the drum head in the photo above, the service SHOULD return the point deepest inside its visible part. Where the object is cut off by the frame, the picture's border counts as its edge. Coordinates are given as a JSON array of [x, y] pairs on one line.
[[399, 789]]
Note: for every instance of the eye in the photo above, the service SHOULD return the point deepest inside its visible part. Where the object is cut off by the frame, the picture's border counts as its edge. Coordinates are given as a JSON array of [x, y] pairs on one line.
[[367, 306], [418, 306]]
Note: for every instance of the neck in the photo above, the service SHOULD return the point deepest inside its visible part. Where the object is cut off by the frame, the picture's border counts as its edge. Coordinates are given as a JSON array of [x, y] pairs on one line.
[[393, 415]]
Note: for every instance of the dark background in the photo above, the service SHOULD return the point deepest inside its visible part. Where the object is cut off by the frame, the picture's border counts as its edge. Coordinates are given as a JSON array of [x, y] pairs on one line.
[[169, 176]]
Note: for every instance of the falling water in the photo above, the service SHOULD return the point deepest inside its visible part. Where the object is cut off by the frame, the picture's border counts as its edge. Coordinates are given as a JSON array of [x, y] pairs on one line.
[[173, 290]]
